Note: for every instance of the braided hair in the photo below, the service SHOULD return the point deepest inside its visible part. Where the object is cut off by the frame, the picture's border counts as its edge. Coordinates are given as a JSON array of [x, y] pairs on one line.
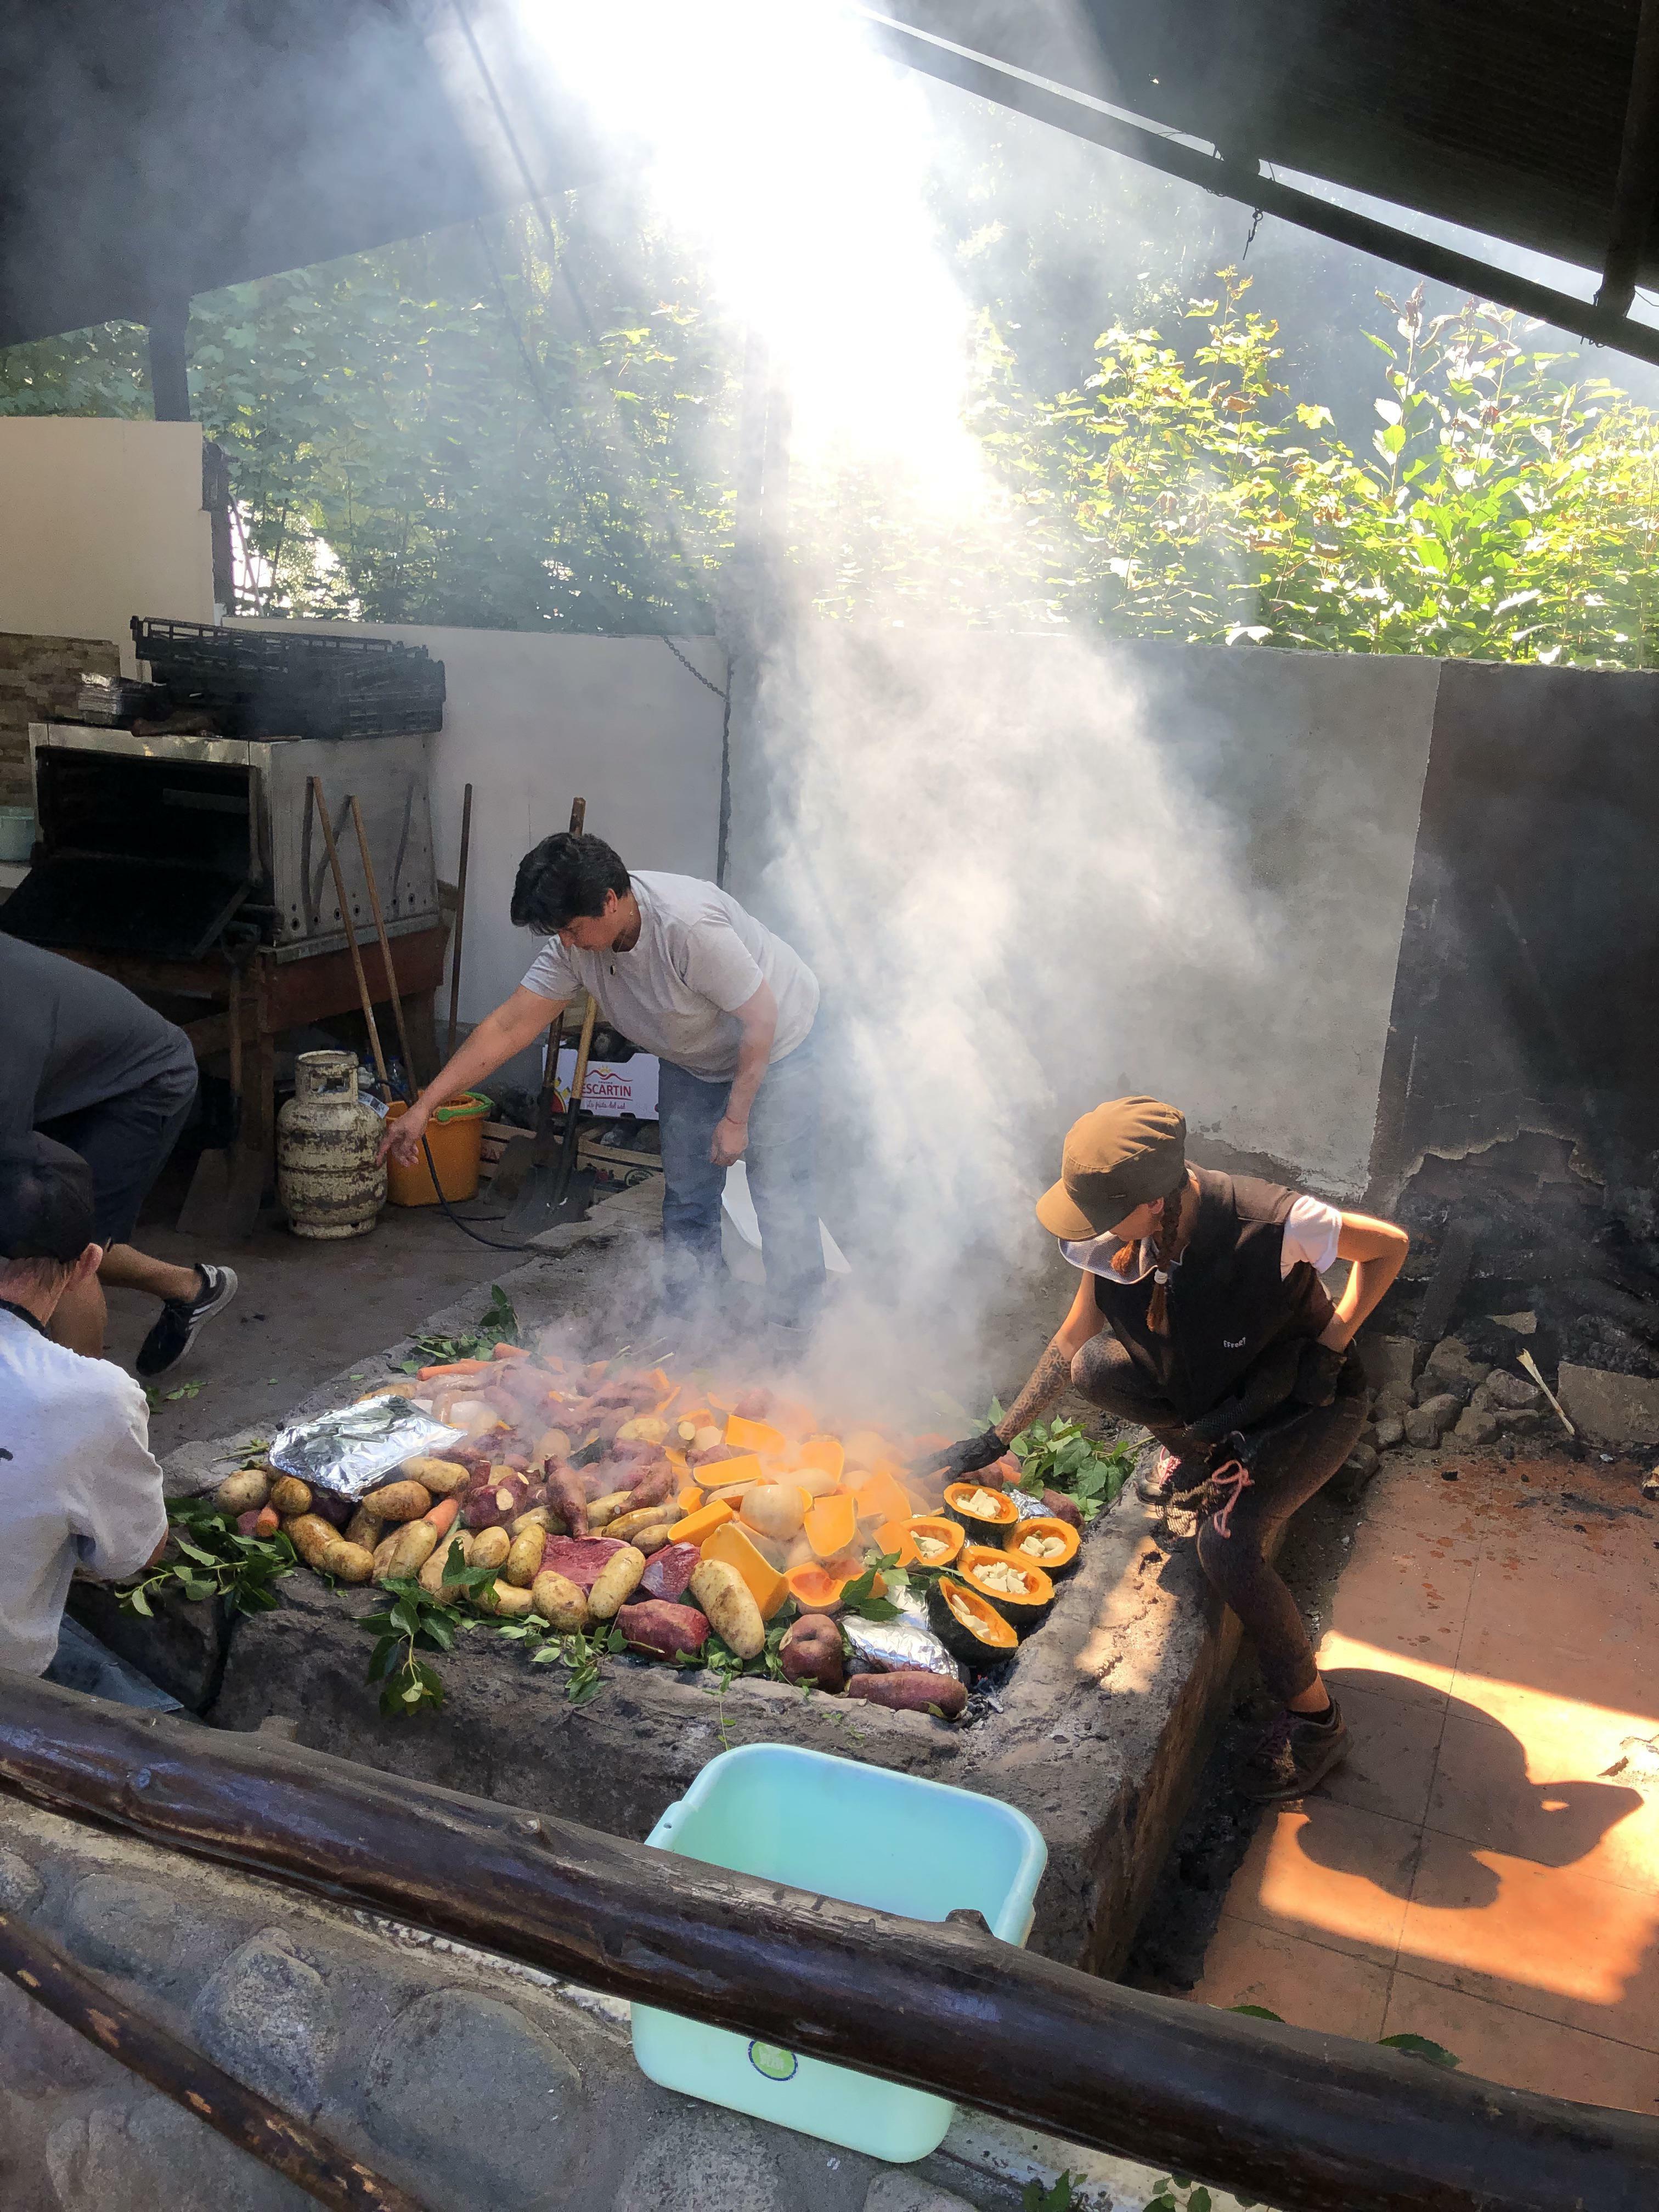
[[1164, 1253]]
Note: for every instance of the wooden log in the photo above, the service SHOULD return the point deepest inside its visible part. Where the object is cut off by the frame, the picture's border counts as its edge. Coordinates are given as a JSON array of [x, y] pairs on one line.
[[289, 2146], [1306, 2122]]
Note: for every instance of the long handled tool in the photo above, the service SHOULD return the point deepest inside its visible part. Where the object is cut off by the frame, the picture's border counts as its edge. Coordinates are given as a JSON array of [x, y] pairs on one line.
[[460, 920], [536, 1177], [392, 992], [318, 802]]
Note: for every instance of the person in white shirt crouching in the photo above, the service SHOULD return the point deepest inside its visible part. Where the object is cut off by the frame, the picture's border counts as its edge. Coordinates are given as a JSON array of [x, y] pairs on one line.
[[78, 1484]]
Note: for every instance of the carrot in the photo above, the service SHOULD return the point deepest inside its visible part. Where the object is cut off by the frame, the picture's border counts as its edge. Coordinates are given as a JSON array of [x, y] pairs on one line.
[[509, 1352], [453, 1367], [442, 1516]]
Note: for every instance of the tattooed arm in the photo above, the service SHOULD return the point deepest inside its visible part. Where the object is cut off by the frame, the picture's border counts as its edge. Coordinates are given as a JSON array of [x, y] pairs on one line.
[[1052, 1376]]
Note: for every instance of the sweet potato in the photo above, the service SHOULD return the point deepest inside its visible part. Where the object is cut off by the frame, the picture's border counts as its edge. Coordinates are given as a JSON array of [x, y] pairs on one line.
[[659, 1482], [616, 1581], [625, 1527], [443, 1477], [725, 1596], [752, 1405], [561, 1602], [567, 1497], [524, 1558], [264, 1521], [408, 1551], [308, 1532], [1058, 1507], [347, 1563], [334, 1509], [669, 1573], [489, 1548], [910, 1690], [810, 1652], [664, 1630], [290, 1496], [364, 1527], [245, 1492], [398, 1501], [581, 1560]]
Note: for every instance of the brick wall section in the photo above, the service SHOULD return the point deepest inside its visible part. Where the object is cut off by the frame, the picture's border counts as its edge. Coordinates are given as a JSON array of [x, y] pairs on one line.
[[40, 680]]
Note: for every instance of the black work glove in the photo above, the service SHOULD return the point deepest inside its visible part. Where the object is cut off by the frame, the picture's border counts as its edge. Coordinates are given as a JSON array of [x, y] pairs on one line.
[[1317, 1372], [969, 1455]]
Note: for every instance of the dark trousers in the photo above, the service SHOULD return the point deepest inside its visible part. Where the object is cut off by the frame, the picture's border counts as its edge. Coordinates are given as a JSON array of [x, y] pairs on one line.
[[1293, 1462]]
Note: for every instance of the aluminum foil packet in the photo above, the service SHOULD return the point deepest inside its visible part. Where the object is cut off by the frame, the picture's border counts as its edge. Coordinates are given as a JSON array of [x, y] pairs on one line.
[[353, 1449], [891, 1647], [1027, 1507]]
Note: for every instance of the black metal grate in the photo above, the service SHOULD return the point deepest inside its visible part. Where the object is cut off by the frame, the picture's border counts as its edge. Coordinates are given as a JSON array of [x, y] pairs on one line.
[[264, 683]]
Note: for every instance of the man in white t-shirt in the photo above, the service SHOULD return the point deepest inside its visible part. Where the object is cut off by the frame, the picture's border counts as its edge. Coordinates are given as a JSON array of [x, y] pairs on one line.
[[78, 1486], [685, 972]]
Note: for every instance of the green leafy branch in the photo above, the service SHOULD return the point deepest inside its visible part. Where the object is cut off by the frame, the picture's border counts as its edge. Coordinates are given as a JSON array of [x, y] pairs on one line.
[[859, 1595], [415, 1622], [207, 1556], [498, 1324], [1060, 1455]]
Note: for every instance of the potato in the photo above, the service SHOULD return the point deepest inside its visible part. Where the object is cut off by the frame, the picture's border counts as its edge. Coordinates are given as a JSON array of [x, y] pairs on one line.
[[490, 1548], [810, 1652], [383, 1550], [535, 1516], [910, 1690], [551, 1444], [724, 1595], [347, 1563], [245, 1492], [290, 1496], [775, 1510], [509, 1600], [603, 1510], [667, 1631], [398, 1501], [644, 1517], [646, 1429], [652, 1539], [616, 1582], [364, 1527], [431, 1577], [411, 1547], [524, 1558], [443, 1477], [561, 1602], [308, 1532]]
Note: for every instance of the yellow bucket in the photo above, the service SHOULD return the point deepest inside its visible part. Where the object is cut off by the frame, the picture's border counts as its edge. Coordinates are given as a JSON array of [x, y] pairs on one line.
[[455, 1134]]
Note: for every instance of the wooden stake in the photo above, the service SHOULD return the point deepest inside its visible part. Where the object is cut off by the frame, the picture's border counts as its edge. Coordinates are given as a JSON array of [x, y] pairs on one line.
[[288, 2146], [315, 788], [460, 922], [385, 942]]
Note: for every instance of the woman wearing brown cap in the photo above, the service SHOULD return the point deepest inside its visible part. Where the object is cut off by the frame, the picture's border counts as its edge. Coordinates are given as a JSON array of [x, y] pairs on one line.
[[1202, 1315]]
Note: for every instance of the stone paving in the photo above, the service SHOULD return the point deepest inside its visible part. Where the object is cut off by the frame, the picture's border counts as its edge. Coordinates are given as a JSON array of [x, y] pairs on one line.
[[1485, 1869]]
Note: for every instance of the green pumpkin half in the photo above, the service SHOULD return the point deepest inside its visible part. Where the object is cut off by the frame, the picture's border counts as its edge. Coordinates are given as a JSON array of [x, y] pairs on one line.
[[984, 1514], [1047, 1532], [967, 1625], [1020, 1591]]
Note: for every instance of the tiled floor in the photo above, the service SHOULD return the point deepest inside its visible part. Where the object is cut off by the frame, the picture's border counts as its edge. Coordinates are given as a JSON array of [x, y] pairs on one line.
[[1482, 1870]]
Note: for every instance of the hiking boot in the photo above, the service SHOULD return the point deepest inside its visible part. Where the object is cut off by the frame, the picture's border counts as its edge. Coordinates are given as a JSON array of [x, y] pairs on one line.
[[1159, 1478], [1296, 1754], [179, 1319]]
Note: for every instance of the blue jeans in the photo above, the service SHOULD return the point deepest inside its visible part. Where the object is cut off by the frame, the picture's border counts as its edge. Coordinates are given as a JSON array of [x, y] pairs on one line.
[[782, 1162], [81, 1663]]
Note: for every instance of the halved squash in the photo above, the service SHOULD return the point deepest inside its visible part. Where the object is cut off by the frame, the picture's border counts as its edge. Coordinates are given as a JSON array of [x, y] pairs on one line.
[[766, 1585], [825, 1452], [1032, 1543], [880, 1499], [928, 1531], [753, 1436], [728, 1473], [691, 1499], [894, 1537], [1021, 1594], [969, 1625], [814, 1588], [831, 1526], [982, 1513], [697, 1527]]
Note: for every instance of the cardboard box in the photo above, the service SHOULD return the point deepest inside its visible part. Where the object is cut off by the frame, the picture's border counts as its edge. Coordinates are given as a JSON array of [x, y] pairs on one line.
[[613, 1086]]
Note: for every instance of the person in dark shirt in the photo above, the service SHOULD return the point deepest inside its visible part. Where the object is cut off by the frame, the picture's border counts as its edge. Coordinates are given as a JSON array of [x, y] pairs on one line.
[[1202, 1315], [89, 1065]]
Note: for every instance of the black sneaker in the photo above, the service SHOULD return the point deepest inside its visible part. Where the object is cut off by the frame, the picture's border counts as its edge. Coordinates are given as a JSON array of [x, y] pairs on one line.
[[179, 1319], [1296, 1755]]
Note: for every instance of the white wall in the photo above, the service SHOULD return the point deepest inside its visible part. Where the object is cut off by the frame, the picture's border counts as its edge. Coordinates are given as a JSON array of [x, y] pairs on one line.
[[100, 520], [530, 721]]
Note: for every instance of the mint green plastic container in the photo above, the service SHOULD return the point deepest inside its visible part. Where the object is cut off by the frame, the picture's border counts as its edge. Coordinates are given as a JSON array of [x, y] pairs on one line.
[[870, 1837]]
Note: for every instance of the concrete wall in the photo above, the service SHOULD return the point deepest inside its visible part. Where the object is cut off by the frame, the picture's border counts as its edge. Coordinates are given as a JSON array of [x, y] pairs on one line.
[[531, 720], [1036, 871], [100, 521]]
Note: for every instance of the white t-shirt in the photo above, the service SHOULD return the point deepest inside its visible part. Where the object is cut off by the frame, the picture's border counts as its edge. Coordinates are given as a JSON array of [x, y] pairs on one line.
[[78, 1487], [675, 992], [1311, 1231]]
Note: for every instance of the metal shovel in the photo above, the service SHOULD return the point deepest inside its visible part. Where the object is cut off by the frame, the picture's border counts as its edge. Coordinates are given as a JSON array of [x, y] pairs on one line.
[[544, 1190]]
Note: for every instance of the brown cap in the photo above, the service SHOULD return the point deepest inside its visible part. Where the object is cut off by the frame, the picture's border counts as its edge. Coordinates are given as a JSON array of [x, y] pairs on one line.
[[1126, 1152]]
